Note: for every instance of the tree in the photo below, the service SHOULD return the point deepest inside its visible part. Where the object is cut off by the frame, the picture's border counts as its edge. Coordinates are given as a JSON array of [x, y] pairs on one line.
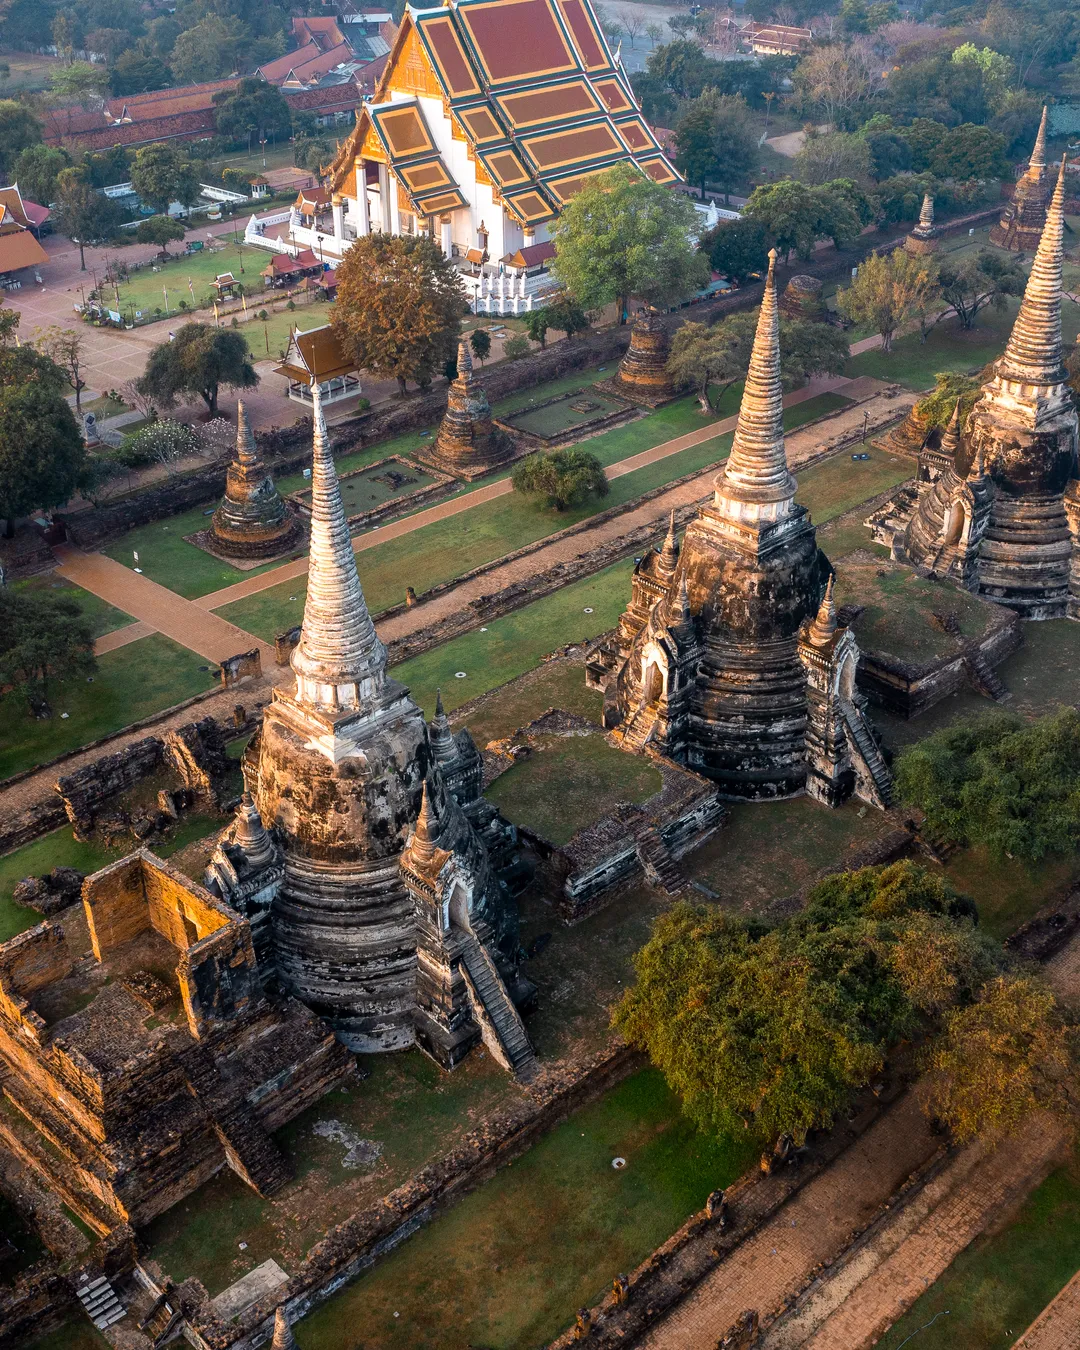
[[681, 67], [970, 152], [888, 292], [63, 35], [834, 155], [971, 284], [836, 79], [562, 478], [208, 50], [195, 364], [480, 342], [399, 304], [41, 450], [624, 235], [83, 214], [253, 108], [36, 169], [790, 212], [162, 174], [160, 230], [43, 637], [937, 408], [695, 138], [1011, 786], [633, 24], [715, 140], [1000, 1060], [737, 248], [719, 355], [81, 82], [735, 141], [514, 348], [67, 348], [110, 42], [565, 315], [773, 1029], [537, 322], [136, 73], [18, 129]]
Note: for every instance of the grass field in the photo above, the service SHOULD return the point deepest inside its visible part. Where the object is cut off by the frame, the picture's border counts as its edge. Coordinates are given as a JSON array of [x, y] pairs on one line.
[[546, 1235], [568, 782], [131, 683], [448, 548], [144, 290], [103, 617], [995, 1289]]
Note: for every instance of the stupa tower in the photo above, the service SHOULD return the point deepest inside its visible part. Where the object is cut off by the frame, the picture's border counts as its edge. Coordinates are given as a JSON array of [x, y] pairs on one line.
[[253, 520], [1022, 221], [469, 444], [1024, 426], [714, 679], [337, 771]]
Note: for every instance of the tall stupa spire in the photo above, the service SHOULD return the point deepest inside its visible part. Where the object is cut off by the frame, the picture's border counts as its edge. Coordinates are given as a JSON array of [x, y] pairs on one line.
[[1034, 352], [245, 441], [756, 480], [1037, 162], [339, 660]]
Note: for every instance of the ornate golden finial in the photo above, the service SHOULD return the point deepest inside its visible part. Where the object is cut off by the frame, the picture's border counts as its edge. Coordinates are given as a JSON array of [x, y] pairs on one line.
[[1034, 354], [339, 659], [824, 625], [950, 438], [757, 471]]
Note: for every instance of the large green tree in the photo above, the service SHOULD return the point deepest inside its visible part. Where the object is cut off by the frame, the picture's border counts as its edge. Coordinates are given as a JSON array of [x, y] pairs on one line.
[[1010, 785], [737, 248], [889, 291], [718, 355], [399, 306], [42, 453], [82, 213], [624, 235], [562, 478], [43, 637], [253, 109], [136, 73], [792, 214], [36, 169], [209, 49], [161, 174], [18, 129], [774, 1028], [988, 277], [715, 140], [197, 363], [160, 230]]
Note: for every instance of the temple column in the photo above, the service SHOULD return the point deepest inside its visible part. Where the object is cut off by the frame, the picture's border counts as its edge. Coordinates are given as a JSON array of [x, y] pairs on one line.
[[338, 212], [384, 198], [395, 214], [362, 197], [447, 245]]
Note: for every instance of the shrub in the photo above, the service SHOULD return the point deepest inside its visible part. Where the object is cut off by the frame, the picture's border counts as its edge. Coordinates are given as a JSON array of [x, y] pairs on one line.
[[516, 347], [561, 478], [161, 442]]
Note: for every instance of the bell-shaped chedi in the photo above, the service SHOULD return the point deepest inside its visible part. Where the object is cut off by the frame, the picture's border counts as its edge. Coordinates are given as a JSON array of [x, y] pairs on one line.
[[253, 520], [336, 771], [643, 375], [1022, 221], [802, 299], [469, 444], [923, 238]]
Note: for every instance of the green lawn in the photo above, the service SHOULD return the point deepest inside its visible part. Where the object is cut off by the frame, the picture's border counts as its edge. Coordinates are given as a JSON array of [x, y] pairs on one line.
[[77, 1334], [568, 782], [132, 682], [995, 1289], [838, 484], [144, 290], [448, 548], [62, 849], [103, 617], [950, 347], [507, 1265], [267, 341]]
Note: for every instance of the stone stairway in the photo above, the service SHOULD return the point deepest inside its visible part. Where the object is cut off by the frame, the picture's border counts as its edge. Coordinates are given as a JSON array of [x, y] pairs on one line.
[[500, 1022], [163, 1318], [660, 868], [636, 730], [984, 679], [865, 749], [99, 1299], [250, 1150]]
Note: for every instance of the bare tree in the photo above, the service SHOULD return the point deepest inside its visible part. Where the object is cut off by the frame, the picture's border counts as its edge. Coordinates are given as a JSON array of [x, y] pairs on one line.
[[66, 347], [838, 78], [654, 33], [634, 25], [142, 403]]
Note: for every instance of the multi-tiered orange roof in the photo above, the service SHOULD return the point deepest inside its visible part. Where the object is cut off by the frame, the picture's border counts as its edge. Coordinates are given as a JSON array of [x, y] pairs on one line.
[[533, 88]]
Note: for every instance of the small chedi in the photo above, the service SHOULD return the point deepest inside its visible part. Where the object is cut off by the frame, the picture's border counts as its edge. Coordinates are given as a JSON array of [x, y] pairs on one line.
[[141, 1052], [1003, 515], [802, 299], [469, 444], [253, 520], [1022, 221], [923, 238], [390, 951], [728, 658], [642, 376]]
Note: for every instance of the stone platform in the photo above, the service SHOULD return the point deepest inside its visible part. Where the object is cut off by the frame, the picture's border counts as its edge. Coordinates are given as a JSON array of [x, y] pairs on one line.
[[921, 640]]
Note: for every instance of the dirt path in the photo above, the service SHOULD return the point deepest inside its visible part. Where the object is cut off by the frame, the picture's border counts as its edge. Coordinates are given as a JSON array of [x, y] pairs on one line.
[[167, 612]]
